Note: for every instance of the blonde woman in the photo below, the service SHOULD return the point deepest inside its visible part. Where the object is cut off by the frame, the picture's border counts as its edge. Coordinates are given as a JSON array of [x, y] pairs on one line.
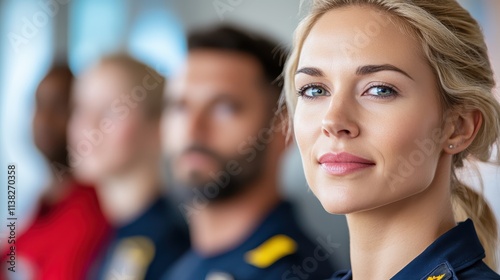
[[388, 99]]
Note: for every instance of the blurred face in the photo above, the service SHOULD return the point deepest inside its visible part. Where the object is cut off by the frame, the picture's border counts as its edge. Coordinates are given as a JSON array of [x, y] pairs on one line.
[[108, 132], [51, 116], [216, 107], [368, 118]]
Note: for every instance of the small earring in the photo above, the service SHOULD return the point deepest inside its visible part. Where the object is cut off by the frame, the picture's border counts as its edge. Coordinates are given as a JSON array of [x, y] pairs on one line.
[[451, 146]]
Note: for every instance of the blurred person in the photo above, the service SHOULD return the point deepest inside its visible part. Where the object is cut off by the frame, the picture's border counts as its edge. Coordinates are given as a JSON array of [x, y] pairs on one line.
[[386, 111], [68, 228], [226, 143], [115, 144]]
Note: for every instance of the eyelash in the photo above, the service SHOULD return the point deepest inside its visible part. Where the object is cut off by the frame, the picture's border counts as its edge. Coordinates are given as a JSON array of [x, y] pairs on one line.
[[301, 91], [383, 85]]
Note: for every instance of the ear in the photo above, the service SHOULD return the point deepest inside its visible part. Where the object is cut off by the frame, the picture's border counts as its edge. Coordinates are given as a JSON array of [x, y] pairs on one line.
[[464, 129]]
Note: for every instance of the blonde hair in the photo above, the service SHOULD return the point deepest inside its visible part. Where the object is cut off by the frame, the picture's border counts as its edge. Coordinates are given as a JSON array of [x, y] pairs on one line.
[[136, 74], [454, 46]]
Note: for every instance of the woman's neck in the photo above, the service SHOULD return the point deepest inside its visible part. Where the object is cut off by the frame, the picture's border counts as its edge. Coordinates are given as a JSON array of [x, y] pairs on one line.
[[384, 240], [123, 198]]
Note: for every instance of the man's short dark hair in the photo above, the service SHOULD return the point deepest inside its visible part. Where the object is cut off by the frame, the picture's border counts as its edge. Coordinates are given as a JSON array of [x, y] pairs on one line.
[[227, 38]]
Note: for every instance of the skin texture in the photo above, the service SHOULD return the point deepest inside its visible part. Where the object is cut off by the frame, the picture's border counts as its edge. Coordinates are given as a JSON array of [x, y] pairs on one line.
[[385, 215], [215, 103], [351, 119], [106, 116], [122, 154], [51, 115], [219, 104], [50, 124]]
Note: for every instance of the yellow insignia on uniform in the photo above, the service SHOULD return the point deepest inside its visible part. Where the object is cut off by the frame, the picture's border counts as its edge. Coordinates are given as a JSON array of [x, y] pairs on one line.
[[439, 277], [270, 251]]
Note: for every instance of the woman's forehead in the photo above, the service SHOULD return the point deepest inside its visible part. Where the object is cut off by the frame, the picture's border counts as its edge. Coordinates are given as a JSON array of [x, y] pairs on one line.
[[356, 36]]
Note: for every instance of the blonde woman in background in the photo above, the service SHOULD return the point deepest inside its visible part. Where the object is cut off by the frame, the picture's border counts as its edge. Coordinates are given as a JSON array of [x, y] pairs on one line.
[[114, 138], [388, 99]]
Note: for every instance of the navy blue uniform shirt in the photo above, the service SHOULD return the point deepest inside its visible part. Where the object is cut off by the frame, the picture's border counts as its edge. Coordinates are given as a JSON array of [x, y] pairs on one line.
[[277, 249], [146, 247], [457, 254]]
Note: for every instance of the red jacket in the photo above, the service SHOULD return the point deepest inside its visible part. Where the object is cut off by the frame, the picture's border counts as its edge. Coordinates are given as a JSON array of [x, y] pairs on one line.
[[63, 239]]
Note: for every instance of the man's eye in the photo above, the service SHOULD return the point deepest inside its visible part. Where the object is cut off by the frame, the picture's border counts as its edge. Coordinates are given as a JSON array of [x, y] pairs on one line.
[[225, 109]]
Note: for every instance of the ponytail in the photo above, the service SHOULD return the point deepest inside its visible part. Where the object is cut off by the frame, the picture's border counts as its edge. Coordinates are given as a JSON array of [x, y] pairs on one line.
[[468, 203]]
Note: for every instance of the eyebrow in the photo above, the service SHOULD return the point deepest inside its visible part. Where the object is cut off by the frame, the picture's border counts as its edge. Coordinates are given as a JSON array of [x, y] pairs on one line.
[[362, 70], [311, 71], [369, 69]]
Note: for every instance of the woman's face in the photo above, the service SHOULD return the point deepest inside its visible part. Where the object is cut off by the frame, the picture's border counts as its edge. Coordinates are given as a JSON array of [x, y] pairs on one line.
[[368, 117], [107, 132]]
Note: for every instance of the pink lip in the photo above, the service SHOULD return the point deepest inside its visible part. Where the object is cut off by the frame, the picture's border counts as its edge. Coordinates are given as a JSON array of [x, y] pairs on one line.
[[343, 163]]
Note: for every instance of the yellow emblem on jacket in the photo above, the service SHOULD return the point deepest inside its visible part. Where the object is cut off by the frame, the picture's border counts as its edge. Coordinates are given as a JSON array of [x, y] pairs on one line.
[[271, 251], [436, 277]]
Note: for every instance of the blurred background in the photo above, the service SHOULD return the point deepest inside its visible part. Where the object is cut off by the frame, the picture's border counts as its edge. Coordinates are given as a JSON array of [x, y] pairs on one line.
[[36, 33]]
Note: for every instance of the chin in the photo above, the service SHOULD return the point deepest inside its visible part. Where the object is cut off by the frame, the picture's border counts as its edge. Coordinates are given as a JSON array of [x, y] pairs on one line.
[[84, 176], [91, 171], [334, 200], [336, 207], [342, 200]]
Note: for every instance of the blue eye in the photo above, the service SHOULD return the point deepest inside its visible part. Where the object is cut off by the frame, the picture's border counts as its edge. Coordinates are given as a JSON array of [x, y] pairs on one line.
[[381, 91], [312, 91]]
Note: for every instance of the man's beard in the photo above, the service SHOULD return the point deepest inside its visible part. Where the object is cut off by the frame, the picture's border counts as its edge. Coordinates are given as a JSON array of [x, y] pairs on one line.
[[222, 184]]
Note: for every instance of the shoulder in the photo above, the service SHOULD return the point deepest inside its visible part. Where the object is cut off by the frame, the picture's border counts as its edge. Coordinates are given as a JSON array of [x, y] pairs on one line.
[[478, 271], [285, 251], [473, 270], [342, 275], [286, 257], [278, 257], [186, 266]]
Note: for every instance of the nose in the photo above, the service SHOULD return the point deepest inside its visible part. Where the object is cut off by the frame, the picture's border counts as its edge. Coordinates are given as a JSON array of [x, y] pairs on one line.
[[195, 126], [339, 119]]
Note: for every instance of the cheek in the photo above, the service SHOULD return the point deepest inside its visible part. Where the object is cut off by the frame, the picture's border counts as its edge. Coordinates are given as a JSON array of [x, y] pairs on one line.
[[408, 151], [229, 137], [240, 134], [175, 134], [168, 135], [59, 129], [304, 130], [123, 139], [75, 133], [307, 130]]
